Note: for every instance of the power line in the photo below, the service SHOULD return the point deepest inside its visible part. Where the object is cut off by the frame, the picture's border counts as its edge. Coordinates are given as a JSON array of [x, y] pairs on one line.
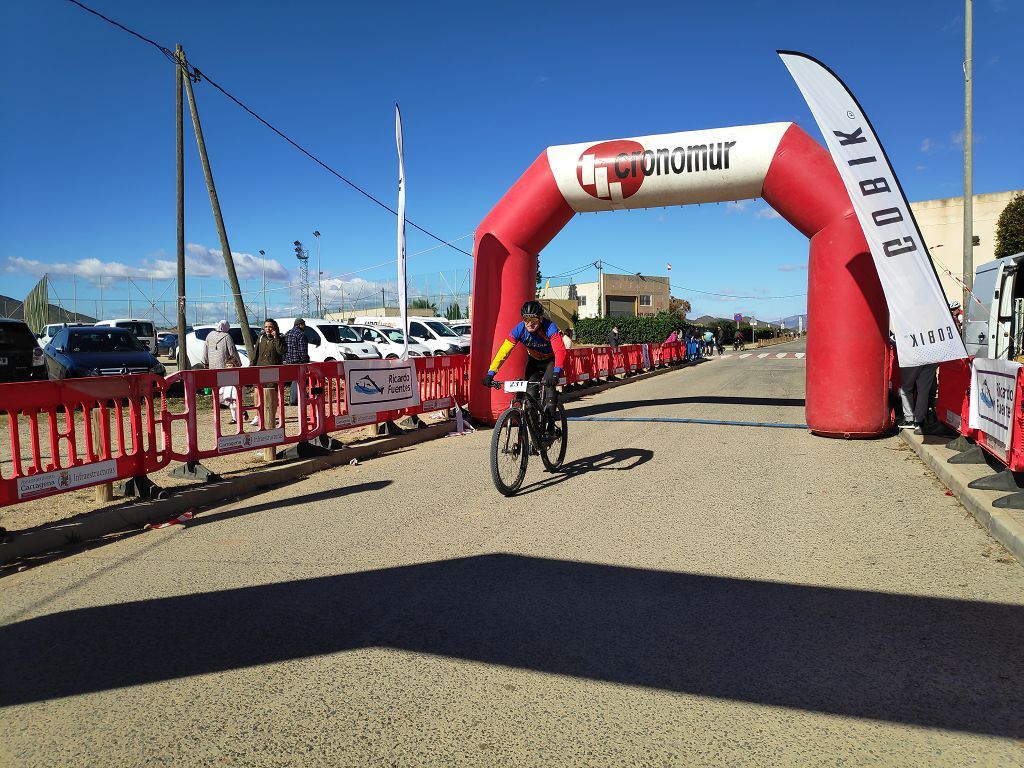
[[197, 75], [708, 293]]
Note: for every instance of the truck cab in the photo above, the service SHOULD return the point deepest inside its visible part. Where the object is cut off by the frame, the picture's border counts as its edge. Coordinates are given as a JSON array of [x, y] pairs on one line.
[[994, 317]]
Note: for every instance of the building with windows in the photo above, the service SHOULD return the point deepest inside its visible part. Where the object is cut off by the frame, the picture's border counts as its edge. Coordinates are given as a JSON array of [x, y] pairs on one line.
[[615, 295], [942, 226]]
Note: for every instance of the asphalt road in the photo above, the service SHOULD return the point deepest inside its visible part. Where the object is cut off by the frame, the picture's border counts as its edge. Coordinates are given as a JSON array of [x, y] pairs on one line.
[[682, 594]]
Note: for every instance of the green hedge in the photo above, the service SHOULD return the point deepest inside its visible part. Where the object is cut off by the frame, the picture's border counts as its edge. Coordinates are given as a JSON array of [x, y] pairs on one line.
[[632, 330], [656, 328]]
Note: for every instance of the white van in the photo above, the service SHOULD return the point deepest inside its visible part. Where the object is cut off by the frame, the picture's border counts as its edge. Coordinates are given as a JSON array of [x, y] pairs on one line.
[[143, 329], [329, 340], [995, 327], [432, 332], [390, 341]]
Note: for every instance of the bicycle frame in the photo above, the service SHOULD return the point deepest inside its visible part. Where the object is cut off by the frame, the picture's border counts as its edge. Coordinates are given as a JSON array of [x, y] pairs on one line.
[[532, 409]]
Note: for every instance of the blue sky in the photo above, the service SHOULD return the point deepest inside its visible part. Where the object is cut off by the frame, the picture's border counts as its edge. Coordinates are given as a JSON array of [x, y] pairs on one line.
[[88, 140]]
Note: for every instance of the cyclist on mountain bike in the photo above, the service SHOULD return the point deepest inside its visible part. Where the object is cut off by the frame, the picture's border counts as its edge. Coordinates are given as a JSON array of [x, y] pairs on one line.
[[545, 360]]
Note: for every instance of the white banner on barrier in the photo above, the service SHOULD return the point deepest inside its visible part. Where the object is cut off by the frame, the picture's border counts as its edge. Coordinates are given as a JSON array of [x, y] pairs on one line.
[[380, 385], [248, 441], [994, 398], [66, 479]]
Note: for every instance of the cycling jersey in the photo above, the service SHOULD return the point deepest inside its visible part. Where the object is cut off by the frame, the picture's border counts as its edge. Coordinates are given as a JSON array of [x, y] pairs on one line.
[[543, 344]]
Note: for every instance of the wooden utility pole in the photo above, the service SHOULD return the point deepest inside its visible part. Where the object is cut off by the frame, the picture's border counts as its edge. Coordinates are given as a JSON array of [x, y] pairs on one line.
[[229, 262], [968, 157], [179, 74]]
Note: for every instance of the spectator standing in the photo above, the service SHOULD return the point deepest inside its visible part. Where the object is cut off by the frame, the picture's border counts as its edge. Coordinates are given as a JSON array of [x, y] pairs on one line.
[[613, 336], [718, 340], [567, 338], [270, 350], [219, 350], [672, 337], [297, 352]]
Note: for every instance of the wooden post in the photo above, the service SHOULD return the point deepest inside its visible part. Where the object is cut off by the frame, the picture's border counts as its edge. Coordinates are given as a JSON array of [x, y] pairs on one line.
[[105, 491], [180, 72], [229, 263]]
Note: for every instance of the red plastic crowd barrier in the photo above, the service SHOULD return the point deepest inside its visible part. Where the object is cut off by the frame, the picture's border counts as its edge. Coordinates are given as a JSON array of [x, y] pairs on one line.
[[952, 401], [52, 450], [137, 430]]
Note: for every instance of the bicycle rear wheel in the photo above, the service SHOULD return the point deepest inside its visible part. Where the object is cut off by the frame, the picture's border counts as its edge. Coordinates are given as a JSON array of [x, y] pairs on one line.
[[510, 450], [553, 454]]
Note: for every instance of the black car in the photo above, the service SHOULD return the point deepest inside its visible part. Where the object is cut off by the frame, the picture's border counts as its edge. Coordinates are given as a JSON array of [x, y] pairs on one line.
[[167, 343], [98, 351], [21, 358]]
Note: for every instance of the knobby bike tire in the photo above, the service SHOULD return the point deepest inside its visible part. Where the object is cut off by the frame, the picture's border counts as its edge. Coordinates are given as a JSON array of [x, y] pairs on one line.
[[554, 454], [510, 450]]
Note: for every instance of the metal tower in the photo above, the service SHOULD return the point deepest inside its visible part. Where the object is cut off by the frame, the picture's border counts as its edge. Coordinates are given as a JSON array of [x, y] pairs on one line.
[[303, 256]]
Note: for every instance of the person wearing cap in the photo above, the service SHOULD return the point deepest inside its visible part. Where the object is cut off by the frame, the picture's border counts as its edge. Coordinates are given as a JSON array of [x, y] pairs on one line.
[[296, 352], [958, 315]]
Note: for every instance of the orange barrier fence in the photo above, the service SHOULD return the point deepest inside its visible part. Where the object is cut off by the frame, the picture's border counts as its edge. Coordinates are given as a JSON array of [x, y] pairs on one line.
[[76, 433]]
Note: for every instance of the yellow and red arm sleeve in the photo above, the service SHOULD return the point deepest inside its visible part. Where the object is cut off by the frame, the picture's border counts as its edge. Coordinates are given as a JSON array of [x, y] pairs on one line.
[[503, 352]]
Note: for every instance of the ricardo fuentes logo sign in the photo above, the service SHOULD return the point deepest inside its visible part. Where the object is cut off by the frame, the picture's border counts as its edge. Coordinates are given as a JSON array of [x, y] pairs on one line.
[[380, 385]]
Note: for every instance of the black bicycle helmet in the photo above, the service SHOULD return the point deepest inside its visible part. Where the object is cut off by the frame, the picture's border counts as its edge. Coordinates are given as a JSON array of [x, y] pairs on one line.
[[532, 309]]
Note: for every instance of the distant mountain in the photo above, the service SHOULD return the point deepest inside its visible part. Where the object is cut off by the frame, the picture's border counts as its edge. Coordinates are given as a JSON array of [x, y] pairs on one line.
[[793, 321]]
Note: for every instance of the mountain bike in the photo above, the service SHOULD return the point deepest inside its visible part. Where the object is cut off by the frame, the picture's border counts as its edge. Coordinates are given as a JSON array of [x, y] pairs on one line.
[[519, 432]]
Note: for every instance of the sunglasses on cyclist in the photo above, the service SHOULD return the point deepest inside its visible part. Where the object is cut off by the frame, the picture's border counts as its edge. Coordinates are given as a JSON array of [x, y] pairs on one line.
[[530, 318]]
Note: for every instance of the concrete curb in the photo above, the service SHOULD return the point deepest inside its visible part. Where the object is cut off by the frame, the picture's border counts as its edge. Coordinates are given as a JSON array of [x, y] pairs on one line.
[[1001, 524], [136, 514]]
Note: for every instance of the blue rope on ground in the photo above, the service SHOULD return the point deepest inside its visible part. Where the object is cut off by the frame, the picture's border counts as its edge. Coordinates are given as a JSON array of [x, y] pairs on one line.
[[688, 421]]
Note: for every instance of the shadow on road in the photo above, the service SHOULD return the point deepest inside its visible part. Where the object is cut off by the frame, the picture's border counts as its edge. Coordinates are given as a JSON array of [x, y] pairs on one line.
[[932, 662], [596, 408], [616, 460], [333, 493]]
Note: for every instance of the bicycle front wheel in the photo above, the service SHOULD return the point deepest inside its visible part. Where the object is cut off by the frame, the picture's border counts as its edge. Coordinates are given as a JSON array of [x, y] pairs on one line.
[[510, 450], [553, 454]]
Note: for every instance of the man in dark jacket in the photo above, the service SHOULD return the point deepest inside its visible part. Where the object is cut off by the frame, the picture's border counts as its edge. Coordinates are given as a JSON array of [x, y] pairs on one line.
[[613, 336], [297, 352]]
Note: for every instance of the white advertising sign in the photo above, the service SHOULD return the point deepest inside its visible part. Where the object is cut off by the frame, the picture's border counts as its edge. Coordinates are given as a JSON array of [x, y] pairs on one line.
[[66, 479], [380, 385], [994, 398], [669, 169], [925, 331], [402, 277]]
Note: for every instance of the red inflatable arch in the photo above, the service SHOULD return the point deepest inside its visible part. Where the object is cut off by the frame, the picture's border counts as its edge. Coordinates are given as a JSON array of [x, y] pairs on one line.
[[847, 376]]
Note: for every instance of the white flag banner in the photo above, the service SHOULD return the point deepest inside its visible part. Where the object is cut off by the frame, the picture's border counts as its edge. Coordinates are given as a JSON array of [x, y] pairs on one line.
[[918, 312], [403, 306], [993, 398]]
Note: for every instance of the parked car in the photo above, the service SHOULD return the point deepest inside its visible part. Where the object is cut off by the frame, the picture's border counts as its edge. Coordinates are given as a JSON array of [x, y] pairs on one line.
[[142, 328], [461, 327], [49, 331], [389, 341], [332, 341], [195, 340], [167, 343], [98, 351], [429, 331], [21, 357]]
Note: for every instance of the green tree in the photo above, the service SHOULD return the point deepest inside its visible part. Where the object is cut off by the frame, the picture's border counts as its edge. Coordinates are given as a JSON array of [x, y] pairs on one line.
[[421, 303], [454, 312], [679, 307], [540, 278], [1010, 228]]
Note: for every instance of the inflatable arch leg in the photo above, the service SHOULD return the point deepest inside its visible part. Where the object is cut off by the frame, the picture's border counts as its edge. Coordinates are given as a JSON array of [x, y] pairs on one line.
[[847, 380]]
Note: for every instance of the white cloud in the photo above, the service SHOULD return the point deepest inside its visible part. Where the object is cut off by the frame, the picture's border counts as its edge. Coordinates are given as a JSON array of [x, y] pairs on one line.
[[767, 213], [958, 138], [920, 167], [200, 261], [927, 145], [791, 267], [737, 206]]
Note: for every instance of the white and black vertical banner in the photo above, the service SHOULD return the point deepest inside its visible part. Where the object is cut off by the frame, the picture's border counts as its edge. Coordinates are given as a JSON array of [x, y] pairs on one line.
[[920, 318], [403, 307]]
